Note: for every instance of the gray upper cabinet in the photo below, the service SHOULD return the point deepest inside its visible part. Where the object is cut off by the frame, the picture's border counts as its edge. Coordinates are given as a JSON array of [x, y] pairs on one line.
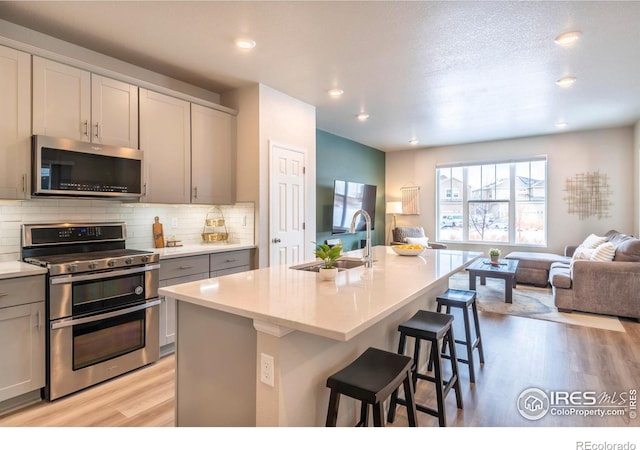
[[15, 117], [213, 156], [165, 139], [73, 103], [190, 151]]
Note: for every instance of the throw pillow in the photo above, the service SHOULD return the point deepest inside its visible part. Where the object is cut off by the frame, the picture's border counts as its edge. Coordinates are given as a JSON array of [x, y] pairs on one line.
[[604, 252], [582, 253], [424, 241], [592, 241]]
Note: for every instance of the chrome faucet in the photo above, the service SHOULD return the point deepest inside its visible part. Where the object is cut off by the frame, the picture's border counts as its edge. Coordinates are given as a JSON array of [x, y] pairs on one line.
[[368, 255]]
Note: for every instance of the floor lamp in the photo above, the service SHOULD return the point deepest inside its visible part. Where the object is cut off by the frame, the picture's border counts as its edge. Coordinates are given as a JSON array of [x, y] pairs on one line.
[[393, 208]]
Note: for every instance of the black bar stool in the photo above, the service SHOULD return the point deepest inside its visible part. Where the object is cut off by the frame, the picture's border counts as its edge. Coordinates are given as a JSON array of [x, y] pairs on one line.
[[371, 378], [457, 298], [433, 327]]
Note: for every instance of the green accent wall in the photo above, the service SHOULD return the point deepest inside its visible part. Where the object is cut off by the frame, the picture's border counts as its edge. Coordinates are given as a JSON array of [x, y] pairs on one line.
[[338, 158]]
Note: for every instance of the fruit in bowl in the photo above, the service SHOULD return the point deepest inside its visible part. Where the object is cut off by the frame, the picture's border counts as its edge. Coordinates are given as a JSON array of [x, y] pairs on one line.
[[408, 249]]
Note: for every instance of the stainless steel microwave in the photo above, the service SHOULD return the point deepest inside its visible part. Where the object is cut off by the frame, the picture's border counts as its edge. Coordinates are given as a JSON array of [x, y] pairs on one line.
[[69, 168]]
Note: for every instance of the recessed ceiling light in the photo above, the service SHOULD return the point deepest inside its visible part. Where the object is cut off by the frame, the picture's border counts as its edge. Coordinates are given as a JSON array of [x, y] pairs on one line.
[[562, 125], [413, 141], [362, 117], [335, 92], [568, 39], [245, 43], [566, 81]]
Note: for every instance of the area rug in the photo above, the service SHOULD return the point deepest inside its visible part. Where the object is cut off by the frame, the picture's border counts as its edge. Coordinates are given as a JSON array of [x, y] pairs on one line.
[[530, 301]]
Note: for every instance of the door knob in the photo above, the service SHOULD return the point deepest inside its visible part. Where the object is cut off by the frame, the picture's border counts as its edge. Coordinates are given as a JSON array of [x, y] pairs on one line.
[[276, 240]]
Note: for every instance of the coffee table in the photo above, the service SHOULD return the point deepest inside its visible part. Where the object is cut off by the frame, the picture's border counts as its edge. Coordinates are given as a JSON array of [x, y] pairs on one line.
[[506, 270]]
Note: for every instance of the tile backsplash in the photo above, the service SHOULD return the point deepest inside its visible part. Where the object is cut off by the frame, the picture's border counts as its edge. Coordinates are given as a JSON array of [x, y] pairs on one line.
[[139, 218]]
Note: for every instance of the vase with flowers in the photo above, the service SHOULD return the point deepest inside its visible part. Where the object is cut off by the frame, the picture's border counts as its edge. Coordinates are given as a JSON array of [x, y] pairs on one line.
[[328, 255], [494, 254]]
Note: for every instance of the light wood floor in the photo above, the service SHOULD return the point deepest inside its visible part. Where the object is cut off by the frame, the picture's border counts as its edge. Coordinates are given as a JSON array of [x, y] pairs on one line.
[[519, 353]]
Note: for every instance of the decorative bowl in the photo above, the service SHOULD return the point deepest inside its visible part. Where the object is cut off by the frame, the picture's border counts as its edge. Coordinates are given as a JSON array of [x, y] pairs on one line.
[[408, 250]]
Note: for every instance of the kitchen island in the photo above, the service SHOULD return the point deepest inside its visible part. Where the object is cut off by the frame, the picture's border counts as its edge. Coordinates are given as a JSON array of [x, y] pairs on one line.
[[255, 348]]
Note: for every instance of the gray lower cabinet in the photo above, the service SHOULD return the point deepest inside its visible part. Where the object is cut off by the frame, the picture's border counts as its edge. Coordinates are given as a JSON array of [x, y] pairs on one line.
[[177, 271], [22, 336], [229, 262], [193, 268]]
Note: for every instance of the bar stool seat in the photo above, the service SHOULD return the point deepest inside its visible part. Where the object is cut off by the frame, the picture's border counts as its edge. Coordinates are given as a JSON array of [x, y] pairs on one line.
[[464, 300], [372, 378], [435, 328]]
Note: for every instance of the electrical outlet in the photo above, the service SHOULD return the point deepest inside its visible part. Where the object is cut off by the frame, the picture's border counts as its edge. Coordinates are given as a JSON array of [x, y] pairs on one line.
[[267, 374], [174, 222]]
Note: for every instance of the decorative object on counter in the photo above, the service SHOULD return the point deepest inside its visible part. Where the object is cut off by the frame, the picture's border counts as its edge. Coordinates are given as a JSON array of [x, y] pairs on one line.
[[494, 253], [328, 254], [408, 249], [158, 234], [215, 228], [173, 242]]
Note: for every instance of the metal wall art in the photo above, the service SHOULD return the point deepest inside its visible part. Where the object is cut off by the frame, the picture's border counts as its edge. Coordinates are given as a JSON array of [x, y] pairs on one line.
[[588, 195]]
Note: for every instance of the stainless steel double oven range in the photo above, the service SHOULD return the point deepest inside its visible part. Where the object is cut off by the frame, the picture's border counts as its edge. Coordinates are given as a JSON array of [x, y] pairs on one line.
[[102, 302]]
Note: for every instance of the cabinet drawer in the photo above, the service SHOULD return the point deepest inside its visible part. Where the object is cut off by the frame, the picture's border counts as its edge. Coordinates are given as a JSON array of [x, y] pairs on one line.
[[186, 279], [219, 273], [180, 267], [227, 260], [21, 290]]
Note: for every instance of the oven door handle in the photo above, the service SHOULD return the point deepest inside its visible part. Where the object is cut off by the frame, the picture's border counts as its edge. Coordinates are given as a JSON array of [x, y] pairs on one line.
[[66, 279], [63, 323]]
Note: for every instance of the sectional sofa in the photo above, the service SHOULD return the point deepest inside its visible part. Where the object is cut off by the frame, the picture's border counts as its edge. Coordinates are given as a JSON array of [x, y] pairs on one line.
[[601, 287]]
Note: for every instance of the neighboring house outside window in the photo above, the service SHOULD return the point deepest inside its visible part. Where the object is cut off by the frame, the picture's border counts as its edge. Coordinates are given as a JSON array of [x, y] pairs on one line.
[[493, 202]]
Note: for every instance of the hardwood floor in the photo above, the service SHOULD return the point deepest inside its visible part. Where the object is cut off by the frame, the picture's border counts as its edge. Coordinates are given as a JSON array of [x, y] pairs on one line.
[[520, 353]]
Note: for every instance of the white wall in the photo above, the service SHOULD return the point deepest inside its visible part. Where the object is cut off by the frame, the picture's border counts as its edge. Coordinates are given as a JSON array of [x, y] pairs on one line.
[[609, 151], [266, 115]]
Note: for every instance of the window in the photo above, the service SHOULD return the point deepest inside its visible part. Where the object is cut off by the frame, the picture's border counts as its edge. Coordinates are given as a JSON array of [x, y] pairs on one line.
[[504, 201]]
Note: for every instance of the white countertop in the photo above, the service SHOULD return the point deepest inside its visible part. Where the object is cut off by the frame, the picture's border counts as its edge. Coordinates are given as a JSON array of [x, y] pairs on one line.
[[197, 249], [14, 269], [339, 309]]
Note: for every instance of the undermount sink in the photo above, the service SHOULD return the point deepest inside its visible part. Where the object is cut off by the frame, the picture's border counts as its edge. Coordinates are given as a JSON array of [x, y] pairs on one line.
[[341, 263]]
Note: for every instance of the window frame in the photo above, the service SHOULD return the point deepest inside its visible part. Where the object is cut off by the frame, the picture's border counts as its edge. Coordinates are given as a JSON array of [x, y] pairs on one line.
[[513, 202]]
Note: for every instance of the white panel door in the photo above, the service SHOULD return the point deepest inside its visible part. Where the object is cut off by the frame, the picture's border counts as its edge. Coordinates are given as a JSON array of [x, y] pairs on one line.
[[15, 123], [61, 100], [114, 112], [286, 206]]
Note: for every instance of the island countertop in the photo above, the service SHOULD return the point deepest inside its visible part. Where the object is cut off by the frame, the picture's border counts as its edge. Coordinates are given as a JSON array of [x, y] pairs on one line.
[[339, 309]]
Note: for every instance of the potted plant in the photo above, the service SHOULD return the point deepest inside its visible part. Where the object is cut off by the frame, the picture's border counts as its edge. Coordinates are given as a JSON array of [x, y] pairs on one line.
[[494, 253], [328, 255]]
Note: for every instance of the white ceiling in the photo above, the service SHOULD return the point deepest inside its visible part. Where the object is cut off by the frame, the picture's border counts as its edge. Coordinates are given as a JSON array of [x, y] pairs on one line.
[[442, 72]]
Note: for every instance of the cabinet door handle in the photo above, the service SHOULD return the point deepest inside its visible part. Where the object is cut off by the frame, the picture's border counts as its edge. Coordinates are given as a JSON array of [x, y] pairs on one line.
[[185, 267], [195, 192], [39, 320], [230, 260], [86, 127], [144, 190], [3, 294], [97, 130], [24, 182]]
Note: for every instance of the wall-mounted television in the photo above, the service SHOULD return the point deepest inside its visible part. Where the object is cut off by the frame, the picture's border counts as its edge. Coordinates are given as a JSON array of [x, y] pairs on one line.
[[348, 197]]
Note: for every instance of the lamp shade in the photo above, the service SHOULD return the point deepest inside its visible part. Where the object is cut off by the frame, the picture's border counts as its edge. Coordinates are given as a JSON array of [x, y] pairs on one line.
[[394, 208]]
